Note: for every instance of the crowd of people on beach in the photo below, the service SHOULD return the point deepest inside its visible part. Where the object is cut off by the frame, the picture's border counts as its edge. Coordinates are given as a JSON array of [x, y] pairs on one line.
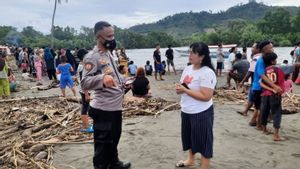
[[268, 82], [106, 74]]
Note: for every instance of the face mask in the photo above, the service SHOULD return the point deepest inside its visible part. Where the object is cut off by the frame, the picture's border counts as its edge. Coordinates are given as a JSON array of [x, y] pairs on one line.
[[110, 44]]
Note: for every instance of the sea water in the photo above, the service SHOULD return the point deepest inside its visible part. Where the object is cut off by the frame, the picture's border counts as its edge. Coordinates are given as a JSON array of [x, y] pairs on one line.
[[140, 56]]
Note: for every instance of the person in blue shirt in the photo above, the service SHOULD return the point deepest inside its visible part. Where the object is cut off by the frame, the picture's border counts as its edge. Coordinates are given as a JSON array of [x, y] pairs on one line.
[[65, 70], [132, 68], [259, 73]]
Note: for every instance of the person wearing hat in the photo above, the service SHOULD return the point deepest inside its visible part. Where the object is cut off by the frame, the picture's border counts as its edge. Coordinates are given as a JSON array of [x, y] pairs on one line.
[[4, 83]]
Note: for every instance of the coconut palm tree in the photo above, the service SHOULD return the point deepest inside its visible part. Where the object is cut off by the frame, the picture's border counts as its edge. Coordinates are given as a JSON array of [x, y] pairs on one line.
[[52, 24]]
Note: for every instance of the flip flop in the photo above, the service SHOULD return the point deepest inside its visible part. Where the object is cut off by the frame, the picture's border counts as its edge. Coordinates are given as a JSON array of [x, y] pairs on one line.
[[181, 164], [252, 124], [90, 129], [241, 113]]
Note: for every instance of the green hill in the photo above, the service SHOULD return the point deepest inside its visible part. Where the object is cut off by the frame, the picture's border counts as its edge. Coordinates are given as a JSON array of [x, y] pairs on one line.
[[188, 23]]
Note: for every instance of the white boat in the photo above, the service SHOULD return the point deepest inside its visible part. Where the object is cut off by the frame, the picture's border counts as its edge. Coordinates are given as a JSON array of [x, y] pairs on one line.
[[213, 54], [223, 46]]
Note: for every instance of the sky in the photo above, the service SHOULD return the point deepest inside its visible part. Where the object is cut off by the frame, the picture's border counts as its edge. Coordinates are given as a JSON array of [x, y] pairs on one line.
[[122, 13]]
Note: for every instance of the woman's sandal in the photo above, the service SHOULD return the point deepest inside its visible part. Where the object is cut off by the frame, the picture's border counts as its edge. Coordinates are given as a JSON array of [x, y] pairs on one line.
[[181, 164], [241, 113]]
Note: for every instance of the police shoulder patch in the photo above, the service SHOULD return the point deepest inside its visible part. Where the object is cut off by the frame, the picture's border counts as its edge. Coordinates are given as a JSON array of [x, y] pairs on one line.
[[88, 66]]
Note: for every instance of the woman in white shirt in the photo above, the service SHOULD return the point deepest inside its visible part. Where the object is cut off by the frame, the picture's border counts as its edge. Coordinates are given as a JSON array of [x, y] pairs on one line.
[[197, 86]]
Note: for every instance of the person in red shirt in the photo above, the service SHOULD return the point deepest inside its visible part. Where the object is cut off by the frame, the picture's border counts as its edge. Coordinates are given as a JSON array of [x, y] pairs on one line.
[[271, 100]]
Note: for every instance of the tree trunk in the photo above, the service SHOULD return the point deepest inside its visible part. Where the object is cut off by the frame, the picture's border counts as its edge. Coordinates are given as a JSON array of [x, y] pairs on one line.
[[52, 24]]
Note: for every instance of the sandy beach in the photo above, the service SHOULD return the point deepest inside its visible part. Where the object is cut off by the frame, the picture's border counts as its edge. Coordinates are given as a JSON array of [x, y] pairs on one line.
[[155, 143]]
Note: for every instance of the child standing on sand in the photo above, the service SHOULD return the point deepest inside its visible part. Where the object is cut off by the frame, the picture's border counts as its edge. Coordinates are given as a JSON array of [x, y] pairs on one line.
[[38, 59], [271, 100], [85, 95], [12, 81], [66, 79]]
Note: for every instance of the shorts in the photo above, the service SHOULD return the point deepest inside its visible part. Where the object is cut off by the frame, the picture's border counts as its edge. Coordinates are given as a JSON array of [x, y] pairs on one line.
[[169, 61], [66, 81], [158, 68], [250, 95], [219, 65], [257, 99], [197, 132]]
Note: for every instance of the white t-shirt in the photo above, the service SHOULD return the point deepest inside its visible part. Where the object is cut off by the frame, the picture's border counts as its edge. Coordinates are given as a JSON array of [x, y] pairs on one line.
[[195, 79], [220, 58], [253, 62], [231, 58], [21, 56]]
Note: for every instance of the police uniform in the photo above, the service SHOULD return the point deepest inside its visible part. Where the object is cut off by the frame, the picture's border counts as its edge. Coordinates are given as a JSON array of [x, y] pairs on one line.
[[105, 107]]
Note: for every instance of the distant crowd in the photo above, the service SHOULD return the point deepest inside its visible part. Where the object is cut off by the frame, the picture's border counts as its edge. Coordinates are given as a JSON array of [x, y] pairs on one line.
[[64, 67]]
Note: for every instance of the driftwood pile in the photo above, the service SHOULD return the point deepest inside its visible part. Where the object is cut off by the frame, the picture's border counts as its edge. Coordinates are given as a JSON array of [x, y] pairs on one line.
[[223, 96], [30, 127], [290, 102], [134, 106]]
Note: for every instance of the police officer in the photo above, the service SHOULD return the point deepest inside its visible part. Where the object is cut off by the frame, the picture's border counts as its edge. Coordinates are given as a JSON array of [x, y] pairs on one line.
[[100, 75]]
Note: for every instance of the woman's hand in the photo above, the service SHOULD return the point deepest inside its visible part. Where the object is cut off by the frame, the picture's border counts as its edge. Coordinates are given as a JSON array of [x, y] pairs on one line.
[[180, 89]]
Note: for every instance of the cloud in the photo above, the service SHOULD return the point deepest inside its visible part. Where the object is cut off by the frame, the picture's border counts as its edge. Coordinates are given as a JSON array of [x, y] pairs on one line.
[[282, 3]]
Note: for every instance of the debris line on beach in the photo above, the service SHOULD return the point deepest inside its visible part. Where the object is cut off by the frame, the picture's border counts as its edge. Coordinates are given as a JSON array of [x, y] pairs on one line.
[[31, 127], [290, 102]]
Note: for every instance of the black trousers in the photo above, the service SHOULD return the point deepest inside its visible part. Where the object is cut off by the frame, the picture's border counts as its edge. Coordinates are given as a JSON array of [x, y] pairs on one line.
[[272, 103], [51, 73], [107, 133]]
